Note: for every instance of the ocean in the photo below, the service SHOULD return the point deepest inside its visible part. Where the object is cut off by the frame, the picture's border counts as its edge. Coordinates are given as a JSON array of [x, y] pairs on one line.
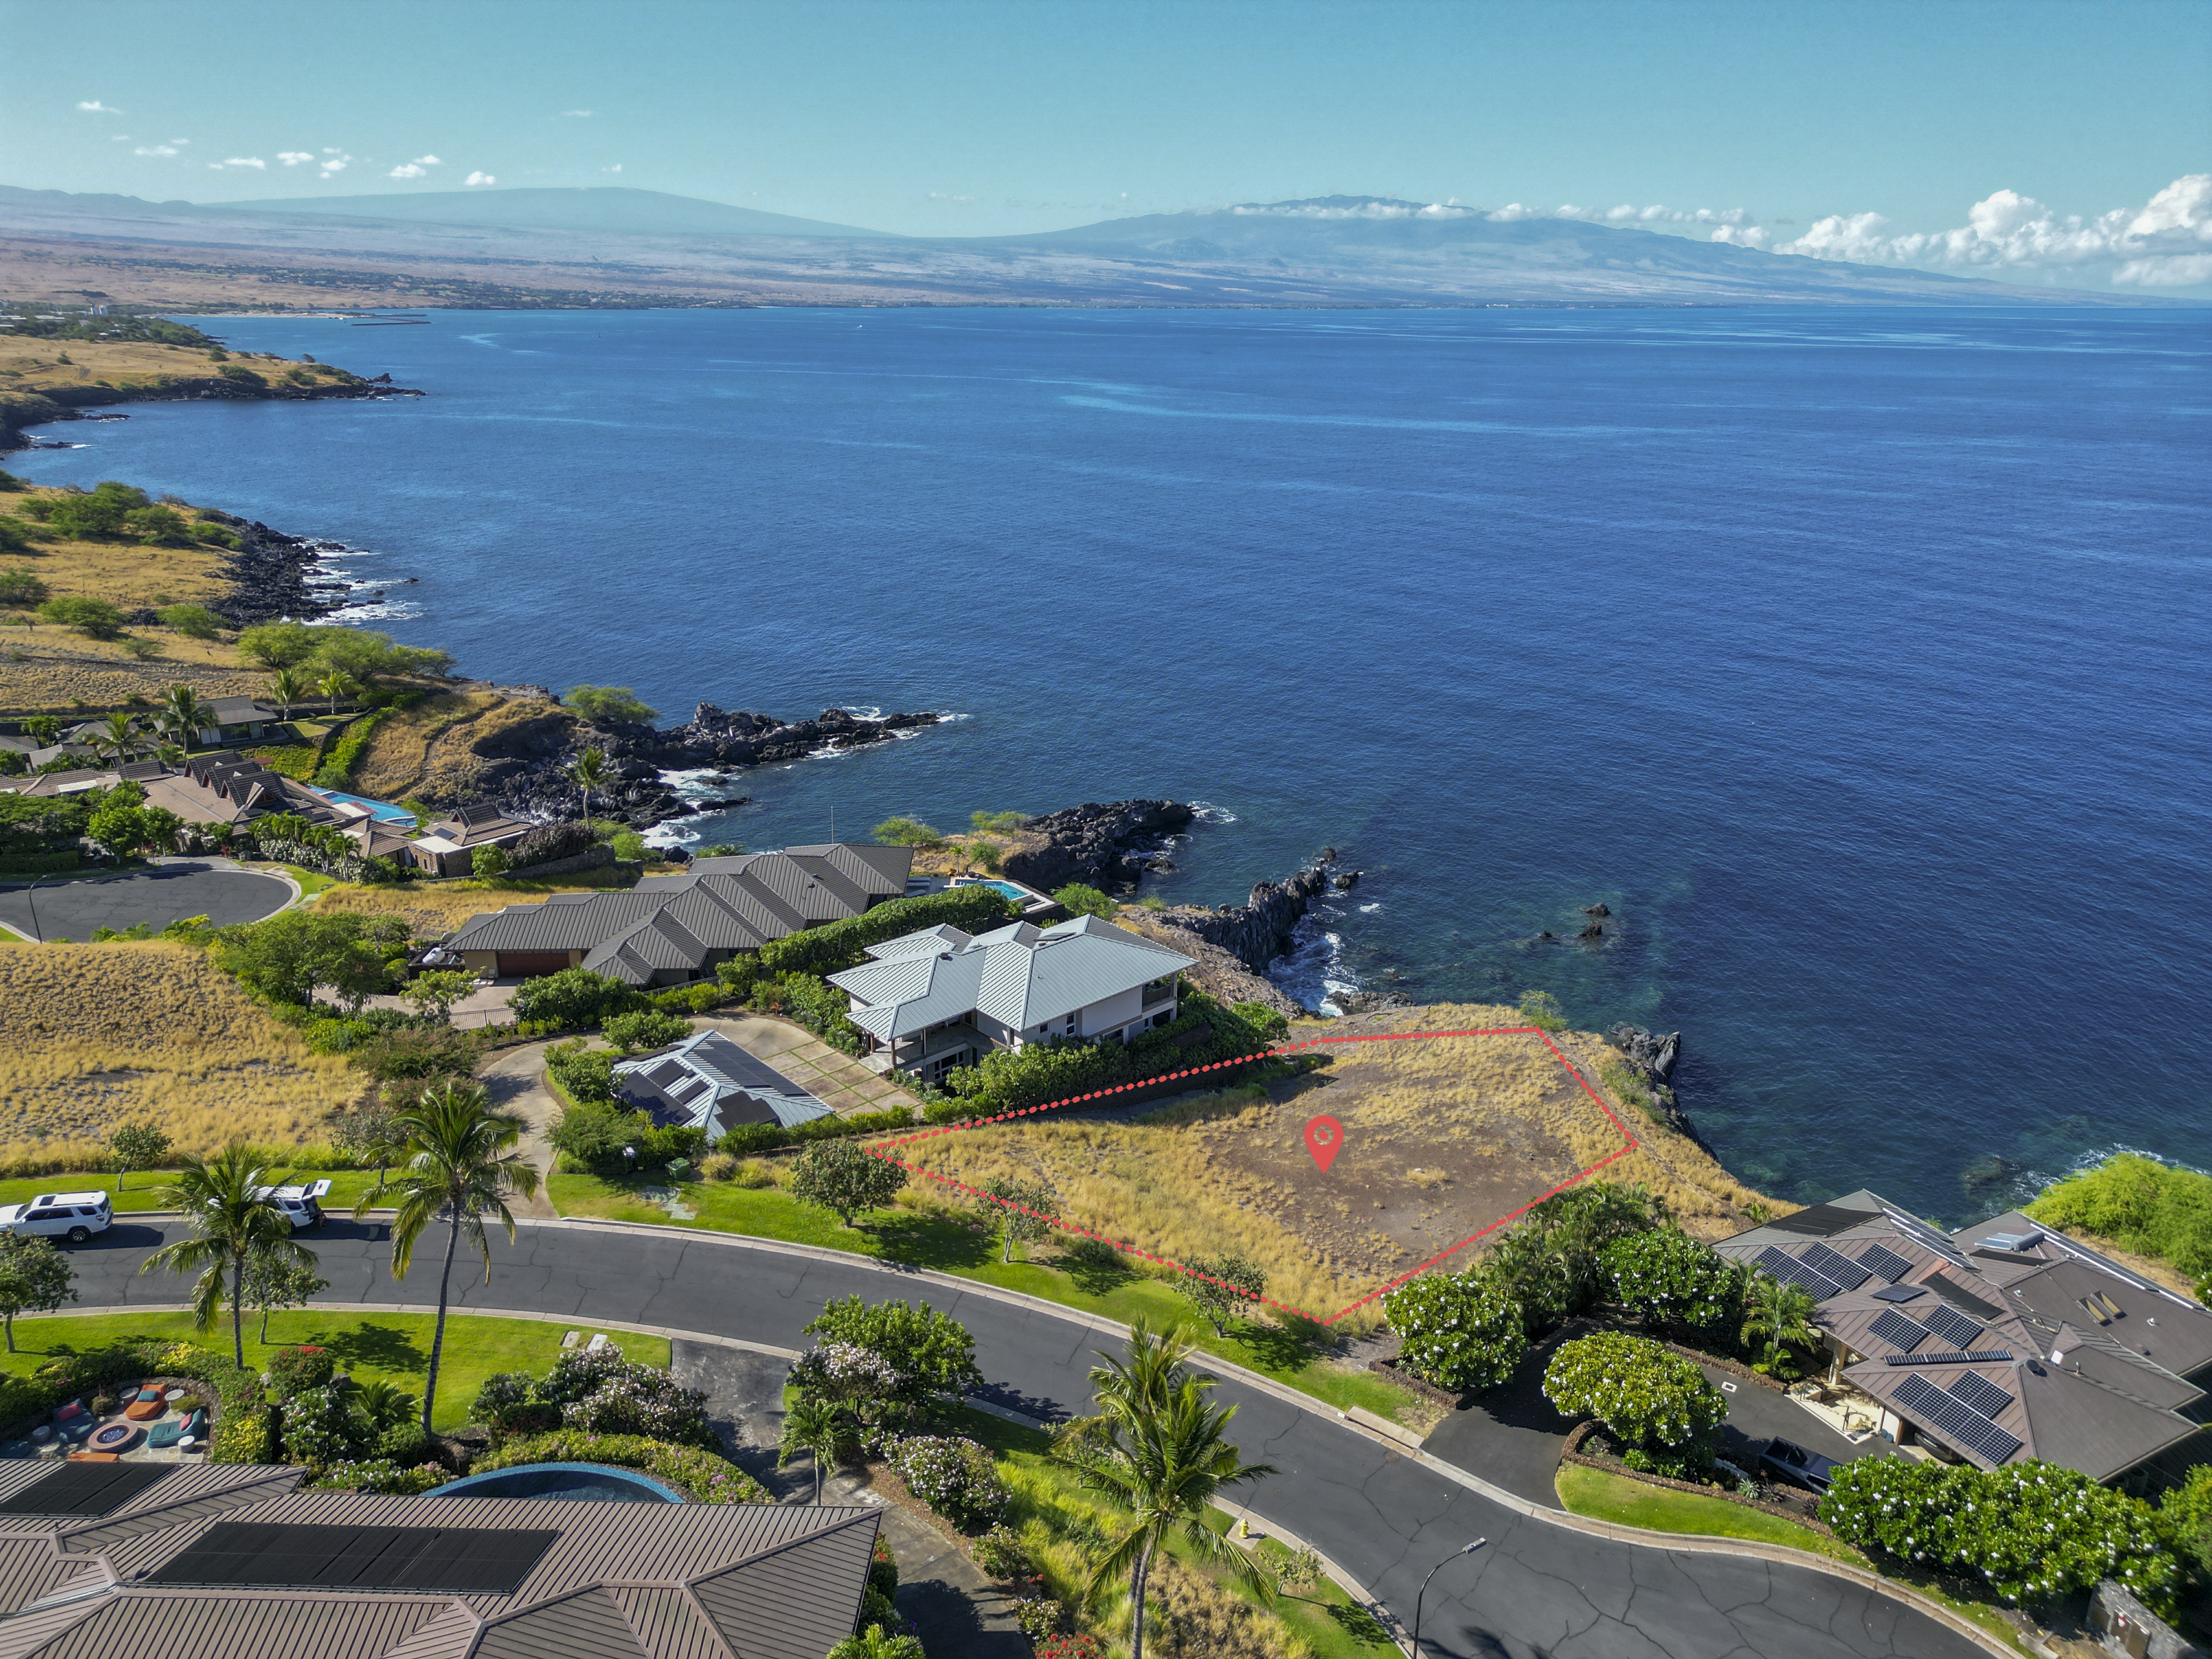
[[1856, 660]]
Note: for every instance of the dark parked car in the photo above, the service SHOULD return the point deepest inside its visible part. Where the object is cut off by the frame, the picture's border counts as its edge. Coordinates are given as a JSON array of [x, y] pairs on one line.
[[1793, 1462]]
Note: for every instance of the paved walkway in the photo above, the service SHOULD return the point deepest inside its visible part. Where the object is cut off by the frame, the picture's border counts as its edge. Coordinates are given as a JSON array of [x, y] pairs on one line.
[[837, 1080], [515, 1079]]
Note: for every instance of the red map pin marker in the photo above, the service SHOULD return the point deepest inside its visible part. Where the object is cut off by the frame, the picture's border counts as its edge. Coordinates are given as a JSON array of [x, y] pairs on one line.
[[1324, 1140]]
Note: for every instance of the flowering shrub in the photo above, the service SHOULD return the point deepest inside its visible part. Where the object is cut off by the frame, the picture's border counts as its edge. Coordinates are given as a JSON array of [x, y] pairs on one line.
[[382, 1475], [291, 1370], [1668, 1278], [1039, 1616], [1459, 1332], [954, 1476], [1002, 1554], [1070, 1647], [1643, 1394], [323, 1426], [700, 1475], [599, 1393], [2034, 1531]]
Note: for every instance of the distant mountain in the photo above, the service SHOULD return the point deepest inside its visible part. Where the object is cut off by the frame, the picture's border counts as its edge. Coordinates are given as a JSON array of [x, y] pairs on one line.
[[607, 209]]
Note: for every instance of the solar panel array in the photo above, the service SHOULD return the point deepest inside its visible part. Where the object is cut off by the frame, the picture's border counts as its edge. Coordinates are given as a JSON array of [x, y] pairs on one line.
[[1884, 1262], [1791, 1271], [1899, 1293], [85, 1488], [1955, 1421], [461, 1560], [1983, 1395], [1833, 1264], [1960, 1296], [1894, 1328], [1954, 1326], [1951, 1356]]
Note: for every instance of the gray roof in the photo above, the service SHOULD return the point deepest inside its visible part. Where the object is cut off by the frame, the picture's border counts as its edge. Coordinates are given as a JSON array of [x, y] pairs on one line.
[[708, 1082], [2100, 1364], [1019, 974], [656, 1581], [737, 904]]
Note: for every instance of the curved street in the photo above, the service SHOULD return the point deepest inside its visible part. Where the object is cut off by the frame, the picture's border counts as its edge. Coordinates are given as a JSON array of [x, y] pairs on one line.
[[1540, 1590]]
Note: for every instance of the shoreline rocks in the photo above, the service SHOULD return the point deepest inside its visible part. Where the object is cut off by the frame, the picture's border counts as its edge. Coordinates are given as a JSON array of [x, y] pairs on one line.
[[24, 410], [1653, 1057], [1108, 846]]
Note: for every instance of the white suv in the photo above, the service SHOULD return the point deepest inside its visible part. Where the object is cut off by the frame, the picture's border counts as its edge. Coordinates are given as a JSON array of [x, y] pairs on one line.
[[298, 1203], [74, 1216]]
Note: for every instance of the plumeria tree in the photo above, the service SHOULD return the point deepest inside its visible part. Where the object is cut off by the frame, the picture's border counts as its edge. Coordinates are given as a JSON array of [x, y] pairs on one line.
[[1460, 1331], [1645, 1394], [1667, 1278]]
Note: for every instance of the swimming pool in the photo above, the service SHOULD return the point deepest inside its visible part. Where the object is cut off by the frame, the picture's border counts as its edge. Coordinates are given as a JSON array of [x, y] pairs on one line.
[[383, 811], [590, 1483], [1019, 895]]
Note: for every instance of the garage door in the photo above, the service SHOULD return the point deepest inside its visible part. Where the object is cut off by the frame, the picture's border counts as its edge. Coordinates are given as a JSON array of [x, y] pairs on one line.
[[522, 965]]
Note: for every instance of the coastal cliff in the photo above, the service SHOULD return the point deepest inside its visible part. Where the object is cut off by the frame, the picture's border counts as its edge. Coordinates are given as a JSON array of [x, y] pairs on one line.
[[1108, 846]]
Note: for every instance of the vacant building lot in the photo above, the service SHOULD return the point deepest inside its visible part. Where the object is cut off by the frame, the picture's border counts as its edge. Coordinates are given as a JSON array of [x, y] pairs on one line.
[[94, 1035], [1443, 1136]]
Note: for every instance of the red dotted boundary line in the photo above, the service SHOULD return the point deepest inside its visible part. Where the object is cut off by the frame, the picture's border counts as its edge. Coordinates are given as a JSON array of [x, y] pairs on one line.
[[881, 1149]]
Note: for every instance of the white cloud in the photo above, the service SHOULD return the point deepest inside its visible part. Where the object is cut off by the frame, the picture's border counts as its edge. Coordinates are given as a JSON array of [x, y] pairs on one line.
[[426, 161], [154, 149], [481, 179], [180, 141], [93, 106], [410, 171], [1627, 214], [334, 164], [2166, 243], [253, 161], [292, 158], [577, 114], [617, 167]]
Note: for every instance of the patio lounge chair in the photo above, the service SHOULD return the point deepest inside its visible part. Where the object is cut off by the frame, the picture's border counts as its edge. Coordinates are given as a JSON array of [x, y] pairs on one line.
[[166, 1434], [146, 1405]]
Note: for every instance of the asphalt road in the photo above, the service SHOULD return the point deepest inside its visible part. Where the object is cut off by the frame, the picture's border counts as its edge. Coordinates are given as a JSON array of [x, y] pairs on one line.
[[158, 896], [1537, 1589]]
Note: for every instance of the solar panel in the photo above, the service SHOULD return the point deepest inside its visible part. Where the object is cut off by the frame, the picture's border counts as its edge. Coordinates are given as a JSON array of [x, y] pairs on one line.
[[1899, 1293], [1790, 1270], [85, 1489], [1956, 1421], [1959, 1297], [1894, 1328], [461, 1560], [1835, 1265], [1884, 1262], [1954, 1326], [1997, 1445], [1983, 1395], [1950, 1357]]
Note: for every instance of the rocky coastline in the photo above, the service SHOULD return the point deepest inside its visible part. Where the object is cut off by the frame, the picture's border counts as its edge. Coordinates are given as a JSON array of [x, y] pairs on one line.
[[1652, 1057], [1109, 847], [19, 410]]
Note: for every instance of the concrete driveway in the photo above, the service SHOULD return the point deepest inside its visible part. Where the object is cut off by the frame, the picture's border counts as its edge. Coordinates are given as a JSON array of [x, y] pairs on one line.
[[168, 891], [515, 1079]]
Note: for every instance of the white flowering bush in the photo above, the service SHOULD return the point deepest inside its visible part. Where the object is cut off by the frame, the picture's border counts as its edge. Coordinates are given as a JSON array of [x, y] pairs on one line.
[[1667, 1278], [2032, 1531], [954, 1476], [1460, 1331], [323, 1426], [599, 1393], [1645, 1394]]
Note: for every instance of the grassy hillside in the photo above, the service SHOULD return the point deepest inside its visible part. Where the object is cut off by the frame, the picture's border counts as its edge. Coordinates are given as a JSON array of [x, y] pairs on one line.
[[40, 377], [94, 1035]]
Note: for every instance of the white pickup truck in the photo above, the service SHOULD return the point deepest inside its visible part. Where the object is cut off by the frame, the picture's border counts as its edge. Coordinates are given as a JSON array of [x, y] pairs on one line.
[[74, 1216], [299, 1203]]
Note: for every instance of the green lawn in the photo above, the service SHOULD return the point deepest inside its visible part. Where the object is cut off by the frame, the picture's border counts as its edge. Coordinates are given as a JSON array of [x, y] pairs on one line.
[[395, 1347], [1331, 1624], [952, 1246], [1604, 1497], [142, 1189]]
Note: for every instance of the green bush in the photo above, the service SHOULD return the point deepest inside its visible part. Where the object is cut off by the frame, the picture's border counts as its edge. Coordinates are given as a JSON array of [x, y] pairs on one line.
[[839, 1176], [699, 1474], [954, 1476], [487, 863], [1667, 1278], [575, 999], [821, 1007], [242, 375], [1079, 900], [2033, 1531], [1541, 1009], [605, 705], [695, 998], [337, 769], [23, 587], [95, 618], [1645, 1394], [386, 1475], [2141, 1205], [822, 952], [296, 1370], [1459, 1332], [586, 1075], [646, 1028], [907, 832]]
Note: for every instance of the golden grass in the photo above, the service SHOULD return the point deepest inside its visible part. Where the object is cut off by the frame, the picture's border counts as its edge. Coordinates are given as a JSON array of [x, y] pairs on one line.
[[126, 573], [33, 365], [444, 906], [94, 1035], [397, 754]]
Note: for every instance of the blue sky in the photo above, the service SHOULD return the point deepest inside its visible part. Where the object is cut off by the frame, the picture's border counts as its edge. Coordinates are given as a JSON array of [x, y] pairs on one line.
[[1775, 120]]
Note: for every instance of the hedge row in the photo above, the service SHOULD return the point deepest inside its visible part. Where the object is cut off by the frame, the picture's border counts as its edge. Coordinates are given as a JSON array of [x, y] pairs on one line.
[[699, 1475], [822, 952], [748, 1138], [337, 771]]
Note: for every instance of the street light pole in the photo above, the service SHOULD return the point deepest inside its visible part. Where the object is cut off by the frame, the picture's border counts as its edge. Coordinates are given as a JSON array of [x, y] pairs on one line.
[[1466, 1550]]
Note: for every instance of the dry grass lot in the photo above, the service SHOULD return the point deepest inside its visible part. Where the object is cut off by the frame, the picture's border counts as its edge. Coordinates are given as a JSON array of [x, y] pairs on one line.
[[27, 364], [92, 1035], [438, 908], [1442, 1138], [405, 746]]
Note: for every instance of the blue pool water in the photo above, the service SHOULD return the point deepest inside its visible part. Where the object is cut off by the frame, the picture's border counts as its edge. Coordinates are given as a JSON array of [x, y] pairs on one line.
[[383, 809], [1855, 659], [577, 1482]]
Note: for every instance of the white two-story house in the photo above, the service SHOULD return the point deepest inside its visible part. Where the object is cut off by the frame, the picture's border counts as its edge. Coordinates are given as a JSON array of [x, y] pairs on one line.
[[939, 998]]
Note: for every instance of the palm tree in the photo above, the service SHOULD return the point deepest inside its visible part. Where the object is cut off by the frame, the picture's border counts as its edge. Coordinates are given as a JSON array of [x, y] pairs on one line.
[[118, 738], [286, 687], [335, 684], [1155, 1449], [183, 714], [228, 1198], [818, 1429], [1778, 1316], [589, 771], [461, 1167]]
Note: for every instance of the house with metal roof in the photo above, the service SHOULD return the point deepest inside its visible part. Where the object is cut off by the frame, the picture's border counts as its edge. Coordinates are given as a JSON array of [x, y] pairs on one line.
[[2000, 1342], [939, 998], [159, 1561], [669, 929], [707, 1082], [448, 847]]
